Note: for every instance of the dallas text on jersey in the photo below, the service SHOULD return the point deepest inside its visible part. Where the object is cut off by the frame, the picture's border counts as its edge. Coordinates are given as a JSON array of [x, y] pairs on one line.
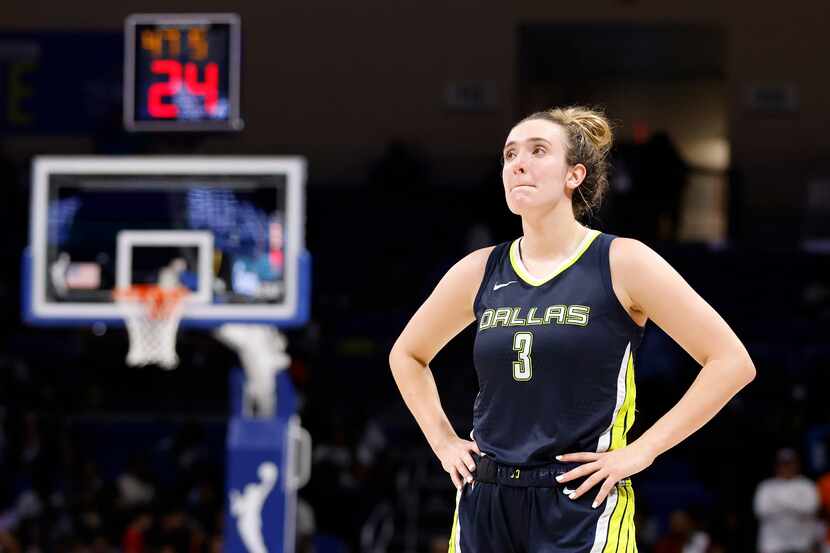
[[512, 316]]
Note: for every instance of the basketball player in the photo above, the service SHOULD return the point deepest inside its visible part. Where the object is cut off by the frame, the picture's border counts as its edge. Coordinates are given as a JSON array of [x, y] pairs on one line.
[[560, 314]]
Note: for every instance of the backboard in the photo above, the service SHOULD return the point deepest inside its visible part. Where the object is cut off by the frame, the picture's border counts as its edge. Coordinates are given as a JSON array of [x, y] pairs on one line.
[[233, 227]]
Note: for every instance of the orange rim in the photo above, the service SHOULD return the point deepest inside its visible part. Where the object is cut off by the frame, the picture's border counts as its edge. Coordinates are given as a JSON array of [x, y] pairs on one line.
[[159, 301]]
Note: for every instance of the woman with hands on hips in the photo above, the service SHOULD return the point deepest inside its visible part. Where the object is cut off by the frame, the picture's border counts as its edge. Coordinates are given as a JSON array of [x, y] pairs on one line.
[[560, 313]]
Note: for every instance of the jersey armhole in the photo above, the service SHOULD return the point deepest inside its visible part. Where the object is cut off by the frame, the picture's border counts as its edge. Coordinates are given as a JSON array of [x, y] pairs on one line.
[[492, 260], [605, 266]]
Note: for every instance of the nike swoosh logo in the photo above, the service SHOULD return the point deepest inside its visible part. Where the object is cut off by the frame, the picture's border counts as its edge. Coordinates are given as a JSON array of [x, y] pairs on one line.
[[497, 286], [567, 491]]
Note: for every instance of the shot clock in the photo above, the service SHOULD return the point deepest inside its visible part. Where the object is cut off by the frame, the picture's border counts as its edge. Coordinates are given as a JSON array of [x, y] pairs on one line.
[[181, 72]]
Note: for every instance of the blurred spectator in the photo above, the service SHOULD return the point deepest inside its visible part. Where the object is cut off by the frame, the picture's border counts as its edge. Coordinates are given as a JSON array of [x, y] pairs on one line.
[[337, 481], [135, 534], [8, 544], [305, 527], [786, 508], [438, 544], [647, 525], [204, 500], [824, 496], [101, 545], [176, 532], [659, 175], [684, 536], [134, 487]]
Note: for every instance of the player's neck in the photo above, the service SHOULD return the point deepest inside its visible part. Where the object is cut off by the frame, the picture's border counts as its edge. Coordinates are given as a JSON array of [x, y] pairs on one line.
[[551, 237]]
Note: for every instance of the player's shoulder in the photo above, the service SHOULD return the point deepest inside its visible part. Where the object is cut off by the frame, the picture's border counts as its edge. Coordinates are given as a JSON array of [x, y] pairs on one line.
[[474, 263], [479, 256], [463, 279], [471, 268], [623, 244], [629, 254]]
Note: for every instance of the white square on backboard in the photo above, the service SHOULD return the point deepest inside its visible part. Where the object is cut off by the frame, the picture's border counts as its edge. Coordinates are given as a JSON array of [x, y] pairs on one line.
[[202, 240]]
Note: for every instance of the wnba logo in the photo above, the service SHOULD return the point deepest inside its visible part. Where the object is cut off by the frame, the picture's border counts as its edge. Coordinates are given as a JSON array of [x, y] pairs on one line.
[[246, 507]]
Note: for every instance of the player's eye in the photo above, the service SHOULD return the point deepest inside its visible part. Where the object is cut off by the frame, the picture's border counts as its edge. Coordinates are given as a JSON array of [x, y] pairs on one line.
[[508, 155], [538, 150]]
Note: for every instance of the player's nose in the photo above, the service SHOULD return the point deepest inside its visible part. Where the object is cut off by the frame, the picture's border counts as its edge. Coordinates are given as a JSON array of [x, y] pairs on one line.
[[519, 166]]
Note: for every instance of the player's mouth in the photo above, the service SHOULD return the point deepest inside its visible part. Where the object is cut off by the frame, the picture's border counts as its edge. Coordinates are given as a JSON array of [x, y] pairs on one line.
[[520, 186]]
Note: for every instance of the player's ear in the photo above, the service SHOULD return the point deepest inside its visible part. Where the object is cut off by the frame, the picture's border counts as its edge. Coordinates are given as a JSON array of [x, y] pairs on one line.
[[575, 176]]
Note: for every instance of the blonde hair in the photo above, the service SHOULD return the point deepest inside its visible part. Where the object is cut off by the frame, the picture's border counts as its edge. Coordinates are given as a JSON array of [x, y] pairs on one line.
[[588, 140]]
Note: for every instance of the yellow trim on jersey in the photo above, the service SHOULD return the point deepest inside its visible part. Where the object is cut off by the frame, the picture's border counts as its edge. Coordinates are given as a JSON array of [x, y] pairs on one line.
[[625, 527], [454, 537], [625, 416], [520, 270], [621, 526]]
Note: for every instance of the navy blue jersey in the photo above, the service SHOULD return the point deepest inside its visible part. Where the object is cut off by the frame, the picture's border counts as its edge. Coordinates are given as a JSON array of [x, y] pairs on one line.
[[554, 357]]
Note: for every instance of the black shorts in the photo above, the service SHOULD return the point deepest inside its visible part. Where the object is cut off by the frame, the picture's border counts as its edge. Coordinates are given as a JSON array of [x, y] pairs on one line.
[[515, 510]]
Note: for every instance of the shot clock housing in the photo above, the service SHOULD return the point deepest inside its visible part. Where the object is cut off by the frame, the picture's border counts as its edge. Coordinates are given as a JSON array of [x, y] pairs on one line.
[[181, 72]]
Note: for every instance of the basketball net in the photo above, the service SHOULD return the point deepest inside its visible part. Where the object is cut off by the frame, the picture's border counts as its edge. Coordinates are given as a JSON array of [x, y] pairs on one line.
[[152, 313]]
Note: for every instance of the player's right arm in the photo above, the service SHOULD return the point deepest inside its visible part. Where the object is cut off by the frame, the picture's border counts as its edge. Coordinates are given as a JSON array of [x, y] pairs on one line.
[[445, 313]]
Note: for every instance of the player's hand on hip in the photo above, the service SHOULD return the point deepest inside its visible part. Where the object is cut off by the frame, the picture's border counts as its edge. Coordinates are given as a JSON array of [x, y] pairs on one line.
[[609, 468], [456, 456]]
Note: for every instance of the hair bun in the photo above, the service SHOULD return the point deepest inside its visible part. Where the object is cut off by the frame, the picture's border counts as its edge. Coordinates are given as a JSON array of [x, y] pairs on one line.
[[595, 127]]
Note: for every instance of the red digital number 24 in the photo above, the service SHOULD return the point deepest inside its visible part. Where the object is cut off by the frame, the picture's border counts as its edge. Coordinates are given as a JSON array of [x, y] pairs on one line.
[[208, 88]]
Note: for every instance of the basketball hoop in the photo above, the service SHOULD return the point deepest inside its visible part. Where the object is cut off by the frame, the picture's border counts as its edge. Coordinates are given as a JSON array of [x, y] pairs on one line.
[[152, 314]]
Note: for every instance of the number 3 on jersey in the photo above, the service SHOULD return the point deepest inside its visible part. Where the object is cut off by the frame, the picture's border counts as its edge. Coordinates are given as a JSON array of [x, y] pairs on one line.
[[523, 368]]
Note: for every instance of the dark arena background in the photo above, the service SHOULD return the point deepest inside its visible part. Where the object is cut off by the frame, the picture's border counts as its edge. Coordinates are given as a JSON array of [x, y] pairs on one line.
[[386, 121]]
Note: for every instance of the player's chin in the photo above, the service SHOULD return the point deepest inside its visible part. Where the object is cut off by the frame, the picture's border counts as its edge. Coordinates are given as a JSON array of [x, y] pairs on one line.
[[519, 206]]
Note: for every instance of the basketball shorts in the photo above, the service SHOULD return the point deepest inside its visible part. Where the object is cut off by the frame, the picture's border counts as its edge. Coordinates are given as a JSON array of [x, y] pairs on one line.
[[517, 510]]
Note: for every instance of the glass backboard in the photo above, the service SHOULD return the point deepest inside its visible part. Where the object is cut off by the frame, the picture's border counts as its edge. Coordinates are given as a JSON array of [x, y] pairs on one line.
[[233, 226]]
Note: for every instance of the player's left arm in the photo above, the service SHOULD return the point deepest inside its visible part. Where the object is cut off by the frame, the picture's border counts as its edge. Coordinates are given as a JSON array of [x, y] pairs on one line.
[[648, 285]]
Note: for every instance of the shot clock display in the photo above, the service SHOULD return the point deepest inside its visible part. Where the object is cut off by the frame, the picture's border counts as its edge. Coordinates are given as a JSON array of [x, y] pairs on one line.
[[182, 72]]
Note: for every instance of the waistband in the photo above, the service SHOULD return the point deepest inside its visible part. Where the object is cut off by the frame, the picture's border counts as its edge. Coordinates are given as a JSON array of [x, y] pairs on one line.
[[491, 472]]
